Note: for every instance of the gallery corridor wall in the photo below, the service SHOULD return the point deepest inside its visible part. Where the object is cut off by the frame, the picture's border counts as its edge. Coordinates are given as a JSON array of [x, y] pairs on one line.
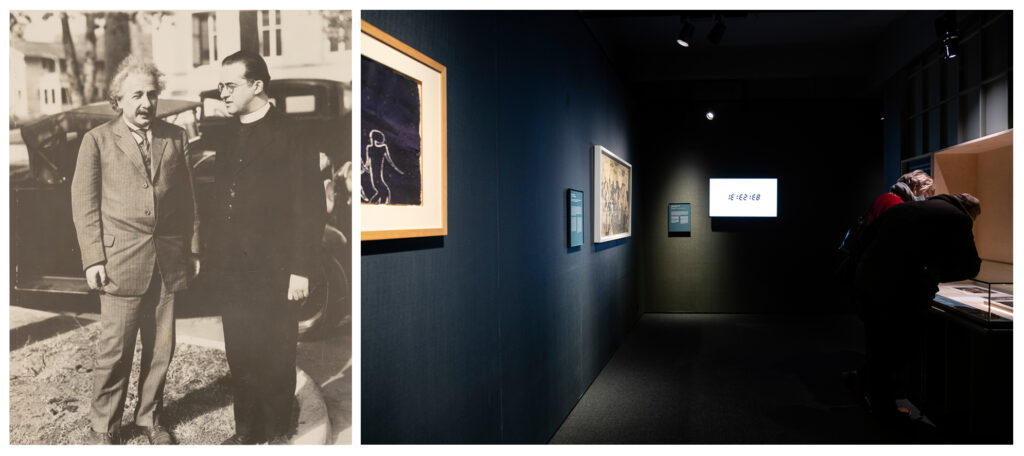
[[491, 334], [826, 155]]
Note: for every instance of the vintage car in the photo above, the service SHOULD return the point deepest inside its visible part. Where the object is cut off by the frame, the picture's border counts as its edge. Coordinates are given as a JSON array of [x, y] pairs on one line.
[[45, 257]]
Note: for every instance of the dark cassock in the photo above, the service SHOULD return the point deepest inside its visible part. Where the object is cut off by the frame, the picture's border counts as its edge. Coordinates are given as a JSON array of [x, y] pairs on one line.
[[270, 212]]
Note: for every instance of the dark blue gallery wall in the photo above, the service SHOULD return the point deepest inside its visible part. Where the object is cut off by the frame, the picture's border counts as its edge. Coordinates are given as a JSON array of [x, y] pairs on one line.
[[563, 311], [492, 333], [430, 332], [826, 154]]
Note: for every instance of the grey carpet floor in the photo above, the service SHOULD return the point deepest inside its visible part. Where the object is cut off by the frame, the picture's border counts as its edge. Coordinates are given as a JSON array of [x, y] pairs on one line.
[[727, 379]]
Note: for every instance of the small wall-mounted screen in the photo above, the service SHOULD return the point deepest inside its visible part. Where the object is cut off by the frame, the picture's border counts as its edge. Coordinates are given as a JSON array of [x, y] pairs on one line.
[[743, 198]]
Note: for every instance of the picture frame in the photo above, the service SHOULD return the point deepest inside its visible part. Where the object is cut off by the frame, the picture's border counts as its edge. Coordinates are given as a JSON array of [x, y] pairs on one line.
[[574, 217], [403, 140], [613, 196]]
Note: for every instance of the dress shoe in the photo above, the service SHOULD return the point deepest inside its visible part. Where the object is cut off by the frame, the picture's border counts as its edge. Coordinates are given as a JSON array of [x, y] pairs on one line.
[[158, 435], [280, 440], [239, 439], [100, 438]]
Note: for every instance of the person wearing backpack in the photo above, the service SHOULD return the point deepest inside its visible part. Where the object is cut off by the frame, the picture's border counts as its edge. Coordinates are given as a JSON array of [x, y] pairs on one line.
[[907, 252], [912, 186]]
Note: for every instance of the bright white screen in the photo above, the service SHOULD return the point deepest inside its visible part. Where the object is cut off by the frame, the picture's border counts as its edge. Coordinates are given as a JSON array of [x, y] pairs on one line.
[[743, 198]]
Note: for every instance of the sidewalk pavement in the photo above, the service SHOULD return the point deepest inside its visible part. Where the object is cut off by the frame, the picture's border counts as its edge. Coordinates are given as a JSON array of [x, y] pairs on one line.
[[314, 428]]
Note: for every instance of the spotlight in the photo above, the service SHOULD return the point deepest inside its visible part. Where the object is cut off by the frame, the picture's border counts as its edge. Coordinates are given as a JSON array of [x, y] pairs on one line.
[[717, 32], [686, 34], [946, 31], [952, 48], [710, 115]]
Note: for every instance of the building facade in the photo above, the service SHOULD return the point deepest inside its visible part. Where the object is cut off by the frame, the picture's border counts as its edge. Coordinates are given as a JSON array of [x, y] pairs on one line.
[[35, 77], [189, 45]]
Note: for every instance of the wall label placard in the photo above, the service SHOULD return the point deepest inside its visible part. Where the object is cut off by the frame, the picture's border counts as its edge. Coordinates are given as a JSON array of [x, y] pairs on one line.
[[678, 218], [574, 217]]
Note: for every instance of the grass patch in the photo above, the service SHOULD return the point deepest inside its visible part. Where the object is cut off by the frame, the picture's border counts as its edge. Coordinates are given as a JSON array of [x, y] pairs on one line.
[[51, 392]]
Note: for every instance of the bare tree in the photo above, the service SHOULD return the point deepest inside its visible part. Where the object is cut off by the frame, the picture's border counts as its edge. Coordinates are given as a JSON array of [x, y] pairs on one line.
[[124, 33], [337, 25], [18, 21], [89, 88], [117, 42], [80, 75], [73, 70]]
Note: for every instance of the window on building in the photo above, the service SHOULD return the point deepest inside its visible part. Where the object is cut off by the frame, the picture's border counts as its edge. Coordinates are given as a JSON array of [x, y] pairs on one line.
[[63, 65], [269, 27], [65, 96], [213, 36], [48, 65], [204, 39]]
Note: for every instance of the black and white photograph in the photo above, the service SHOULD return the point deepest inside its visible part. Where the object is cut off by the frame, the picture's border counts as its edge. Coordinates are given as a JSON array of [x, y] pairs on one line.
[[973, 290], [181, 227]]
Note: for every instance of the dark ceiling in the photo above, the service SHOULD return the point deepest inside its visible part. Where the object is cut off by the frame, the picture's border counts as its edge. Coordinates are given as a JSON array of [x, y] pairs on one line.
[[756, 44]]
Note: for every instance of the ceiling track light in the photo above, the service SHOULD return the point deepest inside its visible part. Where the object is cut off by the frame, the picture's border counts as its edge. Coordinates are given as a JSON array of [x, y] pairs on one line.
[[948, 34], [686, 34], [715, 36]]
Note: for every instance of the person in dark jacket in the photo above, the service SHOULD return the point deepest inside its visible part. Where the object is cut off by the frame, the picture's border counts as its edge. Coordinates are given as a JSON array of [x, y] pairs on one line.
[[270, 216], [913, 186], [908, 251]]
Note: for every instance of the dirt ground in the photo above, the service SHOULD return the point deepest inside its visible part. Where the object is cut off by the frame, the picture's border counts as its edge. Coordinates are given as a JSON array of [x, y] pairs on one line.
[[51, 383]]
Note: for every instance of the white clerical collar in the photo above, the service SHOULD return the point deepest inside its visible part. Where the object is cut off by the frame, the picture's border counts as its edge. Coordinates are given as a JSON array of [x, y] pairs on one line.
[[255, 115]]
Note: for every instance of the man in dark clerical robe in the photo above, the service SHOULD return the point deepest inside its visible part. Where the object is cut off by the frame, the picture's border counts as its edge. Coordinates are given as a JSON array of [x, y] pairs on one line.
[[270, 216]]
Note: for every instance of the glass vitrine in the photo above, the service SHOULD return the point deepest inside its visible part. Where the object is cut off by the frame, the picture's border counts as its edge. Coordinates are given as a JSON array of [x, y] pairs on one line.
[[987, 297]]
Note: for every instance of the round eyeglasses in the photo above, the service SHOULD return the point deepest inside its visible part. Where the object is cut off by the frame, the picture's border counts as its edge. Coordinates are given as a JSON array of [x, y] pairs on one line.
[[229, 87]]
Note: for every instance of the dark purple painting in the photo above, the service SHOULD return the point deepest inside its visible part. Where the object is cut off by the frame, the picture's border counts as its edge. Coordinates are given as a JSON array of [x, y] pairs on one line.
[[391, 143]]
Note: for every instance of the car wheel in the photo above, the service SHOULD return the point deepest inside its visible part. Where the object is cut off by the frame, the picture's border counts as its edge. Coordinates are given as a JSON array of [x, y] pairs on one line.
[[328, 294]]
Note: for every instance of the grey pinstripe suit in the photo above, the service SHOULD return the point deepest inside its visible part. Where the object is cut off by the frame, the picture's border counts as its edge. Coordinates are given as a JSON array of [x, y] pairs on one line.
[[142, 228]]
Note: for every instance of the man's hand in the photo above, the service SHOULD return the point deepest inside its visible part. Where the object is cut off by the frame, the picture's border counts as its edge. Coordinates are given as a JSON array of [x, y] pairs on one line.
[[195, 266], [96, 276], [298, 288]]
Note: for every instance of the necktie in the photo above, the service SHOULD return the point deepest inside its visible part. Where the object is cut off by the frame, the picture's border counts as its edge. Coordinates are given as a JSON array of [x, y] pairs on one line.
[[144, 148]]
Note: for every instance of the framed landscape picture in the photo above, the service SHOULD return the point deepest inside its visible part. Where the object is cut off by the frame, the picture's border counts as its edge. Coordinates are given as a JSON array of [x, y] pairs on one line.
[[613, 195], [403, 140]]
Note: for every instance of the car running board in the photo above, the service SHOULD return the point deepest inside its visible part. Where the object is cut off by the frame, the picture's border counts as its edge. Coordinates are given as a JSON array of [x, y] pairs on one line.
[[51, 284]]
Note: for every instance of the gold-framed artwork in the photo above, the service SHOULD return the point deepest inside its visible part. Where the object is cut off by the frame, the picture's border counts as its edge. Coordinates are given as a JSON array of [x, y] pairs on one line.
[[403, 142], [613, 195]]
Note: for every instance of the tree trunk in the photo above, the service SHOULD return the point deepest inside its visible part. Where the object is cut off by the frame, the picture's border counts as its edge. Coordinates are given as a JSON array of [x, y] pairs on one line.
[[138, 35], [73, 71], [117, 42], [89, 61]]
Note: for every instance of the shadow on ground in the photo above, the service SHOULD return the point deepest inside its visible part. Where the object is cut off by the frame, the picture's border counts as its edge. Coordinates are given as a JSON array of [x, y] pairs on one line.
[[328, 361], [45, 329]]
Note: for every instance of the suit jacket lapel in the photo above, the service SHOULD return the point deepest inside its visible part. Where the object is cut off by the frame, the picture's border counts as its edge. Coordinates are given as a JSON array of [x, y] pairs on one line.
[[126, 142], [157, 149]]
